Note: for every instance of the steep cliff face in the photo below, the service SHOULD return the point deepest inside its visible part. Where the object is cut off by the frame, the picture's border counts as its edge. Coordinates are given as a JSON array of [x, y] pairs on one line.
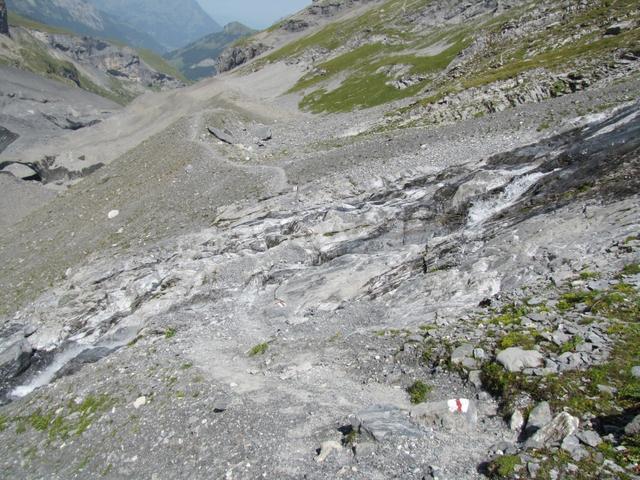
[[4, 25]]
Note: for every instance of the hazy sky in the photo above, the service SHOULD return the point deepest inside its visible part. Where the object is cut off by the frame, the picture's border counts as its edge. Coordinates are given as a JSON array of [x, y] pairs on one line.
[[254, 13]]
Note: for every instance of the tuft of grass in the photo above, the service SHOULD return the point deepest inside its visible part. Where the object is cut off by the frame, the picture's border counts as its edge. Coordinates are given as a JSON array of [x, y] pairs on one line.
[[510, 315], [589, 275], [170, 332], [572, 344], [526, 340], [631, 269], [418, 392], [504, 466], [259, 349]]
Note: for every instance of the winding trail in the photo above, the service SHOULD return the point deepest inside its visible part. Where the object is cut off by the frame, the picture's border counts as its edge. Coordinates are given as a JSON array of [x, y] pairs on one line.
[[275, 177]]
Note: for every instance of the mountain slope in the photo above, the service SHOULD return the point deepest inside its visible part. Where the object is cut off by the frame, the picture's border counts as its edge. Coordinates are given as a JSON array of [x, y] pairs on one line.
[[82, 18], [172, 24], [439, 61], [197, 60], [114, 71]]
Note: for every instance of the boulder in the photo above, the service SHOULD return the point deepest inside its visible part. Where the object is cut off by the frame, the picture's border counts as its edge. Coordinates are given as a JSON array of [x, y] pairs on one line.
[[515, 359], [589, 437], [517, 421], [539, 417], [264, 134], [457, 413], [221, 135], [571, 444], [554, 432], [633, 428], [326, 448], [383, 421], [618, 28], [461, 352]]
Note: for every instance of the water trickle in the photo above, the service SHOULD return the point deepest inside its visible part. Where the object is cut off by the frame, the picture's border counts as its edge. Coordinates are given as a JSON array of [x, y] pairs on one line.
[[482, 210]]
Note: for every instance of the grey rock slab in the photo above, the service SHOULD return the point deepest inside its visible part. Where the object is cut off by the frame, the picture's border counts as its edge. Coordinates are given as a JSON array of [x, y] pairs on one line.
[[264, 134], [15, 356], [635, 371], [221, 135], [460, 413], [19, 170], [539, 417], [514, 359], [571, 444], [462, 352], [517, 421], [633, 427], [383, 421], [475, 379], [326, 449], [554, 432], [589, 437], [618, 28]]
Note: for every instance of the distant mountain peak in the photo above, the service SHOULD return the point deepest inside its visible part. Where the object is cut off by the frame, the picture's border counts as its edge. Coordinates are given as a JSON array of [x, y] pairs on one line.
[[170, 25], [237, 28]]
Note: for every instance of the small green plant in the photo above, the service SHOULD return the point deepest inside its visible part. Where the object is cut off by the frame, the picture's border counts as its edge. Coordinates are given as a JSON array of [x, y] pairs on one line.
[[3, 423], [572, 344], [259, 349], [186, 366], [526, 340], [418, 392], [588, 275], [504, 466], [170, 332]]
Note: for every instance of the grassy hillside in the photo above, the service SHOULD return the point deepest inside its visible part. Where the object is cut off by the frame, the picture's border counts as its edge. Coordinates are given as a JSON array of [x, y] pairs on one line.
[[395, 41]]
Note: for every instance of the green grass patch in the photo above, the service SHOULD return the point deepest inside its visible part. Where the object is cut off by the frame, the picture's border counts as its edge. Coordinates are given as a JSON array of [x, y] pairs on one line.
[[259, 349], [524, 339], [631, 269], [504, 466], [418, 392], [58, 425], [170, 332]]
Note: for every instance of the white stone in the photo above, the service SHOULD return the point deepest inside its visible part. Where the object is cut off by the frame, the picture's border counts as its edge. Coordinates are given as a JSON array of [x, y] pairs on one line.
[[140, 402], [113, 214]]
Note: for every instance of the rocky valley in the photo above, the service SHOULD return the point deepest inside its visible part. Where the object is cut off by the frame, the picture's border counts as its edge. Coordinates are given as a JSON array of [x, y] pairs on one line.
[[392, 239]]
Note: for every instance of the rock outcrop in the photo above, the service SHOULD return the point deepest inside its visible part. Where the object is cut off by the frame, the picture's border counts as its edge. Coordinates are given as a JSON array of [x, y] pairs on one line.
[[123, 63], [233, 57], [4, 21]]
